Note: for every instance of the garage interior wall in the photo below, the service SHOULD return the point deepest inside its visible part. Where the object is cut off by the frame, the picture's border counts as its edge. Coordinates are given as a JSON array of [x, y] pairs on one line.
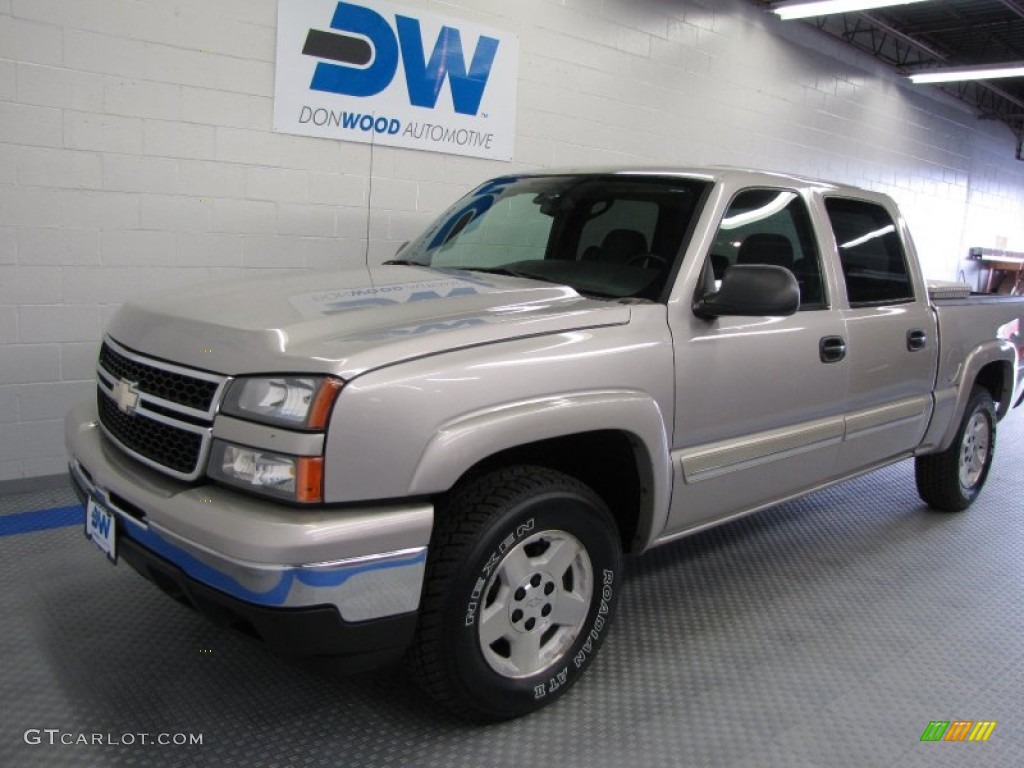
[[136, 154]]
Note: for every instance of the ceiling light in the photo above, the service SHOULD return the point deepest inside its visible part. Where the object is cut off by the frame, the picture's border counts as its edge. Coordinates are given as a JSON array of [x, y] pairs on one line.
[[804, 8], [986, 72]]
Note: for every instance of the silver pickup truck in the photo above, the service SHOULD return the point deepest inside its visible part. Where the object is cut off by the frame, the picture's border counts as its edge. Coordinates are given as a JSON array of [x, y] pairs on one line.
[[445, 457]]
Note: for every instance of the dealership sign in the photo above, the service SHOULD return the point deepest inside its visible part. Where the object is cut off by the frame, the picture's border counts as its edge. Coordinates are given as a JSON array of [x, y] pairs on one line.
[[382, 73]]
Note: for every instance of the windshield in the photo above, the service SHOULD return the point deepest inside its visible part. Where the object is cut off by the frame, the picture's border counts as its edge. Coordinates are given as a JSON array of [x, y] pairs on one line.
[[605, 235]]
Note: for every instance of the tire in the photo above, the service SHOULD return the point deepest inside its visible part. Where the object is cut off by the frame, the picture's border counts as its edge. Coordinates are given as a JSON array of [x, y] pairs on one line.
[[950, 481], [523, 573]]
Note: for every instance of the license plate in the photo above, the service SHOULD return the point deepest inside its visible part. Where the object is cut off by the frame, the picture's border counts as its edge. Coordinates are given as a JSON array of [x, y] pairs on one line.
[[101, 528]]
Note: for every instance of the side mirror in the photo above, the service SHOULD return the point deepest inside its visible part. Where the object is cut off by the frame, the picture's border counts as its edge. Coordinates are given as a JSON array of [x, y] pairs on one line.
[[753, 290]]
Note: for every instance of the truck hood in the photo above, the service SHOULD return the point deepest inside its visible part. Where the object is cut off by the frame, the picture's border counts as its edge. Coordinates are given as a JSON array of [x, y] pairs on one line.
[[348, 322]]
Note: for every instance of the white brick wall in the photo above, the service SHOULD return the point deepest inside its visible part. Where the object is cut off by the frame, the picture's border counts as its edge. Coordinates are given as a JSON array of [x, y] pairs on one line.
[[136, 153]]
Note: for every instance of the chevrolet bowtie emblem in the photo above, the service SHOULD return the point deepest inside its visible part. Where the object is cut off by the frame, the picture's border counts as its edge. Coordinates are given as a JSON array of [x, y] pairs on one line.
[[125, 395]]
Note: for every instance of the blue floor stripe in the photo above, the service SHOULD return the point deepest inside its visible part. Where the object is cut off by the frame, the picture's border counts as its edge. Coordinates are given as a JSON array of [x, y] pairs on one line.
[[41, 520]]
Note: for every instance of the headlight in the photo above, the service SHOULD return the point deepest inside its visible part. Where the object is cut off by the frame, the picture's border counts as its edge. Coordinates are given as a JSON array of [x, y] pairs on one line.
[[298, 402], [296, 478]]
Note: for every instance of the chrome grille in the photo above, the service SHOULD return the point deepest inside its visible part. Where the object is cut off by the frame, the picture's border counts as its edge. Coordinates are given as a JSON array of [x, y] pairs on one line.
[[168, 446], [160, 413], [178, 388]]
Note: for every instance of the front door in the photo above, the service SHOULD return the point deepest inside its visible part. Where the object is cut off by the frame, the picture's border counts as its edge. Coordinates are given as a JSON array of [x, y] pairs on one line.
[[759, 400]]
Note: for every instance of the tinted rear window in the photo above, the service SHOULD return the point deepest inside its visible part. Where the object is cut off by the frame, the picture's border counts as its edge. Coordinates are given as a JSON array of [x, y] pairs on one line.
[[870, 251]]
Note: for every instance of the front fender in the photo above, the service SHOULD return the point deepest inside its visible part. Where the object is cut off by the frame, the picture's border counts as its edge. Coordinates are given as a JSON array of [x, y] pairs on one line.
[[463, 442]]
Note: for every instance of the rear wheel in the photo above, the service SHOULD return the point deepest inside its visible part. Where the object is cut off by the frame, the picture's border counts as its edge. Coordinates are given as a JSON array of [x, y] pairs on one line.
[[522, 576], [950, 481]]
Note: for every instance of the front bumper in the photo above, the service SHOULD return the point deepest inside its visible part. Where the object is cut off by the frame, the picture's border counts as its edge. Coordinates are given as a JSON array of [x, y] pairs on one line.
[[322, 581]]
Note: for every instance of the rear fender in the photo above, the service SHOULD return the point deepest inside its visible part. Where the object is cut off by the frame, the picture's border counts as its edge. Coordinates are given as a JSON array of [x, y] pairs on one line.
[[951, 397]]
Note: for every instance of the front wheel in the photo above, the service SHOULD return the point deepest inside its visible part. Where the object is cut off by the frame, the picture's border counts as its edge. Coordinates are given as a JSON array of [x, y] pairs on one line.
[[522, 576], [950, 481]]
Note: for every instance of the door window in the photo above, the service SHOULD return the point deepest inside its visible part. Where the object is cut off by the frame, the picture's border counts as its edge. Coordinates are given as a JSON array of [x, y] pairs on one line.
[[771, 226], [874, 263]]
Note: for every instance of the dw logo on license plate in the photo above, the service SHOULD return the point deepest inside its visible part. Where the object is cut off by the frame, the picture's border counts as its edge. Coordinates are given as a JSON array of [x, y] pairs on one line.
[[101, 529]]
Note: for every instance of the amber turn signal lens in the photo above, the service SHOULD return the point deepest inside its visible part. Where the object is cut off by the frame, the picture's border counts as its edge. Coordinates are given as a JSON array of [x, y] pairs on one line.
[[309, 479], [323, 402]]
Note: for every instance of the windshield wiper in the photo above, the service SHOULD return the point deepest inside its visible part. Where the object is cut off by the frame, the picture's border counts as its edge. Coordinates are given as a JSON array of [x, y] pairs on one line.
[[525, 273], [513, 272], [494, 271], [404, 263]]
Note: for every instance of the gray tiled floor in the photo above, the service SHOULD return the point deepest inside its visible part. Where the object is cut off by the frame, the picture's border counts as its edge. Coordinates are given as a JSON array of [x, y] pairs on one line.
[[823, 633]]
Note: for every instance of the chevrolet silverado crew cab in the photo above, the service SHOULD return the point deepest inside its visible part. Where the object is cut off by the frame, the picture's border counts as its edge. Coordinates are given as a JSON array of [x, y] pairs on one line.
[[445, 457]]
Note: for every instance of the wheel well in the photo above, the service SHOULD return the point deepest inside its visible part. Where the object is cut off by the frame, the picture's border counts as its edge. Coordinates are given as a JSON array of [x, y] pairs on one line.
[[993, 378], [608, 461]]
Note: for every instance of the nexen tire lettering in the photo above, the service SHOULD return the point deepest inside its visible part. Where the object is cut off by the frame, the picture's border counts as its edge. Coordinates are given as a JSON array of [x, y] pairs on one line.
[[492, 561]]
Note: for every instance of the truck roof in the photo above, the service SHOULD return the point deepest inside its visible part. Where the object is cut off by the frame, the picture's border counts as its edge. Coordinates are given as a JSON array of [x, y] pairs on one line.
[[716, 173]]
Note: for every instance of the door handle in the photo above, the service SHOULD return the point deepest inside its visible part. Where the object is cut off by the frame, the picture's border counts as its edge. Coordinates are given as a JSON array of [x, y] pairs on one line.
[[832, 349], [916, 340]]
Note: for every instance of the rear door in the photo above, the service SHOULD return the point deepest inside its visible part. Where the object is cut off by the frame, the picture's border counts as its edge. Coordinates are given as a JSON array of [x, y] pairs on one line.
[[890, 333]]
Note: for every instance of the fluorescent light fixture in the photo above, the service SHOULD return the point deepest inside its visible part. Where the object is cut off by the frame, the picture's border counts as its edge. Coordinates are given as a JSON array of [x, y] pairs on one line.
[[984, 72], [804, 9]]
